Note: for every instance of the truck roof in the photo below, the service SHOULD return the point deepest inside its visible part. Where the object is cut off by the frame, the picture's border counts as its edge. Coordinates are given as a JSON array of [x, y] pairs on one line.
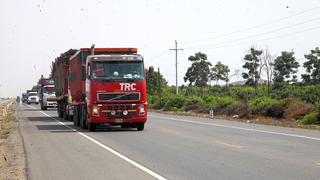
[[111, 50], [115, 57]]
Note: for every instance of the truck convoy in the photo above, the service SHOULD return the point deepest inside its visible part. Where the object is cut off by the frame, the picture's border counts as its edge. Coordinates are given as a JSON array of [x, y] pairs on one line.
[[47, 96], [101, 86], [32, 97]]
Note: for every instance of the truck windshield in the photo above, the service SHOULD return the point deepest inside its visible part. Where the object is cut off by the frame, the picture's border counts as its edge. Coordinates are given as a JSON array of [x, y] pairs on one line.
[[32, 94], [115, 70], [49, 91]]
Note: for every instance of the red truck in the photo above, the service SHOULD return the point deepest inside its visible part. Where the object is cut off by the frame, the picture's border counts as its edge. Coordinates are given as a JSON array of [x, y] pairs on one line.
[[101, 86]]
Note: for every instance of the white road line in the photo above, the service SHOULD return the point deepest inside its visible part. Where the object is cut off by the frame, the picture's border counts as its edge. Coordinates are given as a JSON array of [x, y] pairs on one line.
[[143, 168], [236, 127]]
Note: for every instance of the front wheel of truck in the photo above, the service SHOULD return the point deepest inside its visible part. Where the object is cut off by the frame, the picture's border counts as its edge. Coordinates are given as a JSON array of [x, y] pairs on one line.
[[140, 126], [83, 117], [91, 126]]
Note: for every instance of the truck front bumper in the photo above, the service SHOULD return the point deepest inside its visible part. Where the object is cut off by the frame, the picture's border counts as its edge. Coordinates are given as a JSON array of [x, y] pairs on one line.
[[51, 104], [118, 120]]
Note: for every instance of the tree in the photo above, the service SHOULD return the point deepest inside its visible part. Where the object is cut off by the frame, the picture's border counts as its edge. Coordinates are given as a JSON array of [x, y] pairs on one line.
[[254, 66], [221, 72], [285, 66], [155, 80], [199, 71], [312, 66], [268, 66]]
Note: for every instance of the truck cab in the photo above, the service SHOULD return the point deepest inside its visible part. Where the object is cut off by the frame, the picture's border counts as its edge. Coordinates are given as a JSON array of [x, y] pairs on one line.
[[48, 97], [116, 90], [33, 97]]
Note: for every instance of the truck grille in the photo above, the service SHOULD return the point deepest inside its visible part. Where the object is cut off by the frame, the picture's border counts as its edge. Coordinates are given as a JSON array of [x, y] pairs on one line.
[[33, 99], [52, 99], [106, 110], [135, 96]]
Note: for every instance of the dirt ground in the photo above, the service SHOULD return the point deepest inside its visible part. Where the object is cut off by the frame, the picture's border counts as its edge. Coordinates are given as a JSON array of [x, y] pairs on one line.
[[12, 157]]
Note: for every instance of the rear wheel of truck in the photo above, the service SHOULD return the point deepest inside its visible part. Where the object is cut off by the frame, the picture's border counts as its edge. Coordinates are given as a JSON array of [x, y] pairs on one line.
[[64, 112], [59, 110], [92, 126], [83, 118], [140, 126], [75, 116]]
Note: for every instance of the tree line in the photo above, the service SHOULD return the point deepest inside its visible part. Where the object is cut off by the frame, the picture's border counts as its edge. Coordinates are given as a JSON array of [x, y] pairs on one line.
[[279, 70]]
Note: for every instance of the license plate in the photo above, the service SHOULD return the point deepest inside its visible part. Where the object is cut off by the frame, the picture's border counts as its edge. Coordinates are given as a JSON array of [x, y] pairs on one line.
[[118, 120]]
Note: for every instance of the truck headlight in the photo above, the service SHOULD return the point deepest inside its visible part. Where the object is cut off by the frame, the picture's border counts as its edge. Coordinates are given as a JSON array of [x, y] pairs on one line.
[[125, 112], [95, 111], [142, 110]]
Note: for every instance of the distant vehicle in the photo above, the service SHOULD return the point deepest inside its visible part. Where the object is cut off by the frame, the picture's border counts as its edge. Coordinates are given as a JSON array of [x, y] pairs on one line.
[[99, 86], [24, 97], [18, 99], [33, 97], [47, 93]]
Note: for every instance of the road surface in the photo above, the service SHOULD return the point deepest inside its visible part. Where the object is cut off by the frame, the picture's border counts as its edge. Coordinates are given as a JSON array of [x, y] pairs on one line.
[[170, 147]]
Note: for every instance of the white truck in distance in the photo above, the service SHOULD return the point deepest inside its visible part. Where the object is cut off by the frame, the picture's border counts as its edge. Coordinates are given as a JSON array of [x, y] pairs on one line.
[[33, 97]]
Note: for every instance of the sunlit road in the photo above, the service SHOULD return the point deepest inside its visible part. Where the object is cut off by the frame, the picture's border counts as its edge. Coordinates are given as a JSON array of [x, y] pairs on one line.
[[170, 147]]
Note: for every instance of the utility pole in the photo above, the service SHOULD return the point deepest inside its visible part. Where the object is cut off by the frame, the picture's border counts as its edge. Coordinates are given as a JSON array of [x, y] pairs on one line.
[[159, 83], [176, 49]]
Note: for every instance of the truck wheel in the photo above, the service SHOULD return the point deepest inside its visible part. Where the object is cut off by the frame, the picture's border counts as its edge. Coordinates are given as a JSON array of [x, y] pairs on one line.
[[75, 116], [83, 118], [44, 108], [92, 126], [140, 126], [59, 110], [64, 112]]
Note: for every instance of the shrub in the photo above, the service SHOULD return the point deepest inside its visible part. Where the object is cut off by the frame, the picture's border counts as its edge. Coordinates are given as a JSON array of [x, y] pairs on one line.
[[267, 106], [297, 108], [193, 103], [218, 103], [312, 118], [174, 103]]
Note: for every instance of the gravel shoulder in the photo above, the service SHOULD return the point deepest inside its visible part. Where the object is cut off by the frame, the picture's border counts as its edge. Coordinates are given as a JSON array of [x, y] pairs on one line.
[[12, 156]]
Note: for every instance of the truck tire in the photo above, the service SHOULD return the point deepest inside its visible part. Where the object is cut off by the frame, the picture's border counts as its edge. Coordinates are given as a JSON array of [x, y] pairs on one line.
[[64, 112], [75, 116], [140, 126], [92, 126], [59, 110], [44, 108], [83, 118]]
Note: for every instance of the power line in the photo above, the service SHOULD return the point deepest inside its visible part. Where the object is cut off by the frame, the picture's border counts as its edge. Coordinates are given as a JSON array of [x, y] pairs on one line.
[[248, 37], [265, 39], [253, 27]]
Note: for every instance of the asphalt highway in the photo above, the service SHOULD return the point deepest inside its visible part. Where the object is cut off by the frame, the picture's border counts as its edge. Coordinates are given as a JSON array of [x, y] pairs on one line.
[[170, 147]]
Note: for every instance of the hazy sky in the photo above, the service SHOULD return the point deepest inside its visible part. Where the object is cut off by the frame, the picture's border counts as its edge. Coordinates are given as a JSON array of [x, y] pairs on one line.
[[34, 32]]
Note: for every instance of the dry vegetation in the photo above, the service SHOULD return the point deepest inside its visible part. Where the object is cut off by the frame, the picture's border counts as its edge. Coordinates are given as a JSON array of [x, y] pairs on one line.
[[12, 158]]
